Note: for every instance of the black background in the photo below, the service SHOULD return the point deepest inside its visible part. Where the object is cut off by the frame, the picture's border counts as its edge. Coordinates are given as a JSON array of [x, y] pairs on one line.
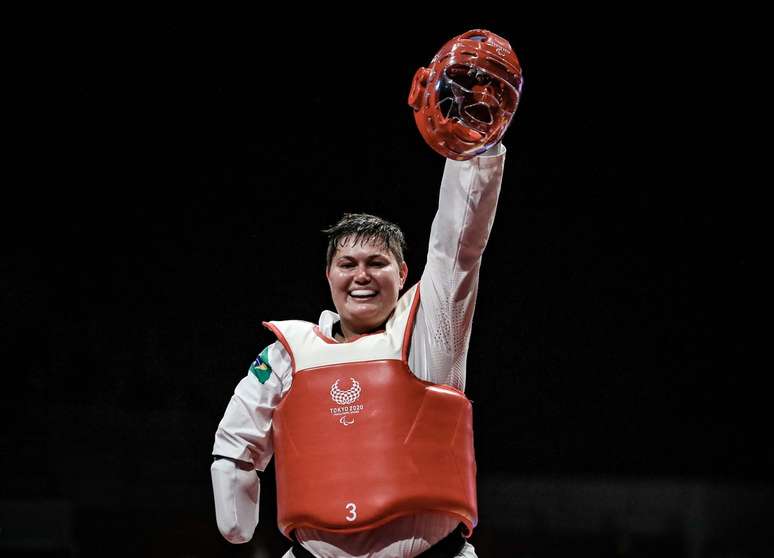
[[166, 191]]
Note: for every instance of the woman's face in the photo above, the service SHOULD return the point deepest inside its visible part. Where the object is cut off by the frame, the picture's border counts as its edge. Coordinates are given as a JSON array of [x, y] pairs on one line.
[[365, 279]]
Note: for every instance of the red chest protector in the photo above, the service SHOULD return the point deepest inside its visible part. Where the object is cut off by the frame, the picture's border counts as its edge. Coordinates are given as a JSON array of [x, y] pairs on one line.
[[359, 443]]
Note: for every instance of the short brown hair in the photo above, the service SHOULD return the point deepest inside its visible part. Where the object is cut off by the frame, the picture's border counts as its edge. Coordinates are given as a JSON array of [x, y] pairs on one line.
[[362, 227]]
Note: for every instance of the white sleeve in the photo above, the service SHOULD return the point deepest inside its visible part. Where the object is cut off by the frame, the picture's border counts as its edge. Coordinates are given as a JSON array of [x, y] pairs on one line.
[[449, 283], [244, 432], [244, 436], [237, 494]]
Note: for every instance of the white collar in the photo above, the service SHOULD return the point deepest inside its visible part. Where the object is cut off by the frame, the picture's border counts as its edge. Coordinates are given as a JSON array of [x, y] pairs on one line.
[[327, 319]]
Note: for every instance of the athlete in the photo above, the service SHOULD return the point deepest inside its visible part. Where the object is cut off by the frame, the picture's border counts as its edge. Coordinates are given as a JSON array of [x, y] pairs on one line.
[[364, 411]]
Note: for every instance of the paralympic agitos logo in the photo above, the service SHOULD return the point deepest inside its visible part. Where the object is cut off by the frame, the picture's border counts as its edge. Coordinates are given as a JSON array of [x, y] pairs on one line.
[[345, 399]]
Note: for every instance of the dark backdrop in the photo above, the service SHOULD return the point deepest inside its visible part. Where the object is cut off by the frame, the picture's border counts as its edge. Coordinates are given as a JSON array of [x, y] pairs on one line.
[[171, 176]]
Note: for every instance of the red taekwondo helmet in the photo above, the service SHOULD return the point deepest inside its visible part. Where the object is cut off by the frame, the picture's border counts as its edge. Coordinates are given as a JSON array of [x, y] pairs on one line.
[[465, 100]]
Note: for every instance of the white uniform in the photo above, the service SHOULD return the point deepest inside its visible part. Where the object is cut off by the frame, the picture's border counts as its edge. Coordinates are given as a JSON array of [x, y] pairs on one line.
[[439, 346]]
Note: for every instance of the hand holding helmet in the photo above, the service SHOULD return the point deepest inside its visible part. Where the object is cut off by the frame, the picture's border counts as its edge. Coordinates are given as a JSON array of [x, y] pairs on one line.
[[465, 100]]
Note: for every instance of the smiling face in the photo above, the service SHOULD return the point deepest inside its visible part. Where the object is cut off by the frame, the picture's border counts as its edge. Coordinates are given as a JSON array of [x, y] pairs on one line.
[[365, 279]]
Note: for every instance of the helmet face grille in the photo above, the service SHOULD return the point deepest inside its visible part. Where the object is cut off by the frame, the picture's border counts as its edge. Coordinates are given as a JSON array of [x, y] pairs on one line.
[[472, 97], [479, 112]]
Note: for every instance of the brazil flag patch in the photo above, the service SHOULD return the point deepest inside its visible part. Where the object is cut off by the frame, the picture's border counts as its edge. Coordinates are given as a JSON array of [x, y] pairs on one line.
[[260, 368]]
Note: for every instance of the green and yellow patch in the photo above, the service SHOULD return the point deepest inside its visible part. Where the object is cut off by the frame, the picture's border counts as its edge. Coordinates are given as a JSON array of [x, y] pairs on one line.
[[261, 368]]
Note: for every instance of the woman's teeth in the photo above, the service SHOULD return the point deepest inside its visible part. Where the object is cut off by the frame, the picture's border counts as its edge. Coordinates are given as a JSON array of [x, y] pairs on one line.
[[362, 293]]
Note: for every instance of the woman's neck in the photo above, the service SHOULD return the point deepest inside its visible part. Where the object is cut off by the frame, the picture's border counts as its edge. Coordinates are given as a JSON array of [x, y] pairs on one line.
[[343, 334]]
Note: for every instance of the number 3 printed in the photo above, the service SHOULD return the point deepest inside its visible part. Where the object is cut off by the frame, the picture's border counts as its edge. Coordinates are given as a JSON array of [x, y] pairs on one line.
[[352, 509]]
